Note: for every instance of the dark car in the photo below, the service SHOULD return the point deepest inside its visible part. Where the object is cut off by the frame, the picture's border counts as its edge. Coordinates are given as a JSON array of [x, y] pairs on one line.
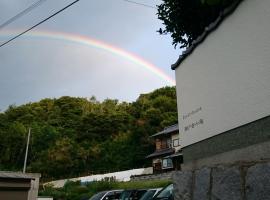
[[150, 194], [165, 194], [132, 194], [107, 195]]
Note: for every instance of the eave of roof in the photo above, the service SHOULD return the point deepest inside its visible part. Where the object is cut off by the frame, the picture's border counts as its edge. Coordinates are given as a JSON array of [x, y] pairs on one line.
[[167, 130], [161, 152], [177, 154], [226, 12]]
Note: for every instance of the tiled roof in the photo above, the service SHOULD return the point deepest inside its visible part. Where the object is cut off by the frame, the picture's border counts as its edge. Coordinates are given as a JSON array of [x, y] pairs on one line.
[[174, 155], [207, 31], [168, 129], [161, 152]]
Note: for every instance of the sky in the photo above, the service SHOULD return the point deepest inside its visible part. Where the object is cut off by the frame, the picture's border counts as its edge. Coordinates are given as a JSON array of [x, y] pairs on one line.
[[102, 48]]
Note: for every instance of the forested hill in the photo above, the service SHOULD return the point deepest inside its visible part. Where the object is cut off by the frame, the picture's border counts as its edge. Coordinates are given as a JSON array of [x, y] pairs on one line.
[[77, 136]]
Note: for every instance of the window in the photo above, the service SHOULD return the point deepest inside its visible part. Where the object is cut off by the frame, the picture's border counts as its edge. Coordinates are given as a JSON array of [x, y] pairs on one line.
[[167, 163], [169, 143], [166, 193], [158, 144], [176, 143], [163, 143]]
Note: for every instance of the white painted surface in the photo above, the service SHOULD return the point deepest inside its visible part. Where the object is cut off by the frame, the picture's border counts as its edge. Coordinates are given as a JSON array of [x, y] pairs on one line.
[[176, 137], [119, 176], [226, 80], [44, 198]]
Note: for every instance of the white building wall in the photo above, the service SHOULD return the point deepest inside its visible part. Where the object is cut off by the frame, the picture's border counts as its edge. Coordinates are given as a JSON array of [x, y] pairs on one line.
[[225, 82], [119, 176]]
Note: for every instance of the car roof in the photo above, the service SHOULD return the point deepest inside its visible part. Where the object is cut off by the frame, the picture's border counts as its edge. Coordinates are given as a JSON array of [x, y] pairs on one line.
[[155, 188]]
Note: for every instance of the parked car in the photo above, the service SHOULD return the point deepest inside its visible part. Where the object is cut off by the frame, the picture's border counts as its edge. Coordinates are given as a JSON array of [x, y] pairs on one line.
[[107, 195], [150, 194], [132, 194], [165, 194]]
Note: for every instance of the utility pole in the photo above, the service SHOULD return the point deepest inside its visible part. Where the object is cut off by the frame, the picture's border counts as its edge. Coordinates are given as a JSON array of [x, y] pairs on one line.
[[26, 152]]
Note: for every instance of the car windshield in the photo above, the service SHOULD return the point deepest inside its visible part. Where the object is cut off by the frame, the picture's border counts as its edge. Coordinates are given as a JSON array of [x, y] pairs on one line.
[[125, 195], [148, 195], [166, 193], [113, 195], [132, 194], [138, 194], [98, 196]]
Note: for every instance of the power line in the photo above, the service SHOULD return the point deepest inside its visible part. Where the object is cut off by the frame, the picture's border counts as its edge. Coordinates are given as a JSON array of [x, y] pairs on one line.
[[44, 20], [22, 13], [141, 4]]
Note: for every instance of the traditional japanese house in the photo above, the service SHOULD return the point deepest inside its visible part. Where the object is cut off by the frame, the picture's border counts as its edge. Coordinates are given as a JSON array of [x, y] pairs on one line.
[[167, 155]]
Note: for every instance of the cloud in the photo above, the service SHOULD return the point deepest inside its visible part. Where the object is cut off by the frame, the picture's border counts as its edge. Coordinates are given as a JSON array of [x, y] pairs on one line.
[[33, 69]]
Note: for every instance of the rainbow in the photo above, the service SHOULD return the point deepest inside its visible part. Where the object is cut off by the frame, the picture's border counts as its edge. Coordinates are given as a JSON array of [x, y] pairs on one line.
[[93, 43]]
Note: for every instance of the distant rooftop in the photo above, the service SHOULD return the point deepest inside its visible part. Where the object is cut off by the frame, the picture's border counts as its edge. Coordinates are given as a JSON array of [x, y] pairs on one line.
[[167, 130], [18, 175]]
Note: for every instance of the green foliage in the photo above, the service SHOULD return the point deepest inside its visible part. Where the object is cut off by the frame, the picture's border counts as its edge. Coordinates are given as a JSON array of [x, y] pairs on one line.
[[78, 136], [77, 191], [186, 20]]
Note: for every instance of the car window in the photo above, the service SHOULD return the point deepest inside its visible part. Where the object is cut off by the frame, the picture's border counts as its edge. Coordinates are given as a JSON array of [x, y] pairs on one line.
[[113, 195], [125, 195], [148, 195], [166, 192], [138, 194], [98, 196]]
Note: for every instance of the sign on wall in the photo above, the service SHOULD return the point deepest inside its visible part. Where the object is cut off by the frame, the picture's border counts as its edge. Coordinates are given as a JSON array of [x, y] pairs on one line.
[[225, 82]]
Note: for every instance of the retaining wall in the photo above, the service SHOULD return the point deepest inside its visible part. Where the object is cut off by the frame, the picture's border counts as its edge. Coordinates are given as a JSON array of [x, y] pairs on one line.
[[162, 176], [240, 181]]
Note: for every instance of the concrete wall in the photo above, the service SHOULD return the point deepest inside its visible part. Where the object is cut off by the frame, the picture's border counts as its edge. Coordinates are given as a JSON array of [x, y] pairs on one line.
[[228, 78], [246, 143], [18, 186], [224, 85], [225, 82], [161, 176], [33, 193], [242, 181]]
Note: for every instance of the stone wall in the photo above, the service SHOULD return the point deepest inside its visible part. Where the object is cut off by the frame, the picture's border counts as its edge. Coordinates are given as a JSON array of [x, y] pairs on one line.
[[161, 176], [240, 181]]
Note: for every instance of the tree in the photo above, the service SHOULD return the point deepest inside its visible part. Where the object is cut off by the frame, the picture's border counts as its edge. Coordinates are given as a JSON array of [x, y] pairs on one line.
[[186, 20], [71, 136]]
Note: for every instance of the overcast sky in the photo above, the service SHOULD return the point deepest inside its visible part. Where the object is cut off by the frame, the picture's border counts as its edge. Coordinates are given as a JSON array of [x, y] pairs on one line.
[[35, 68]]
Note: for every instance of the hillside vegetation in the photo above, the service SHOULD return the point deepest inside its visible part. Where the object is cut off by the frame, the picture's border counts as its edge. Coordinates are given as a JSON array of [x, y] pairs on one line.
[[78, 136]]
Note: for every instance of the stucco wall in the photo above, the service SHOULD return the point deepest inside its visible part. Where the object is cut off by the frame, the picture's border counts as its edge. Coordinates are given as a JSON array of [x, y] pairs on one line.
[[225, 82]]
